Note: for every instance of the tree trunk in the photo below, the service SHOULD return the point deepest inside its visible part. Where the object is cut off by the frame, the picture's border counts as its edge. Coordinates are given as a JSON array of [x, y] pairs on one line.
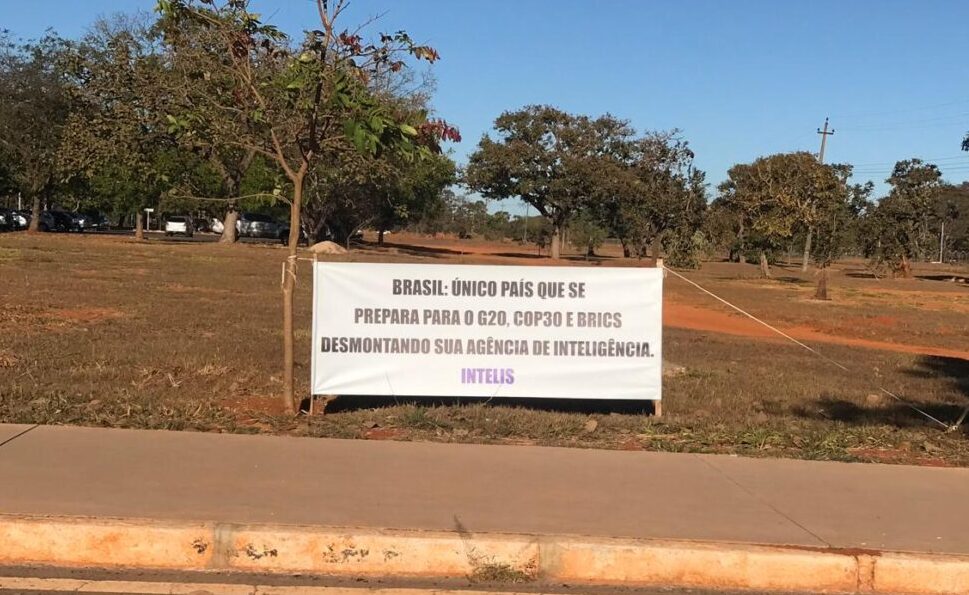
[[139, 225], [289, 285], [555, 245], [34, 215], [591, 251], [380, 237], [229, 226], [822, 291], [626, 252], [741, 244], [807, 250], [764, 265], [905, 268], [655, 246]]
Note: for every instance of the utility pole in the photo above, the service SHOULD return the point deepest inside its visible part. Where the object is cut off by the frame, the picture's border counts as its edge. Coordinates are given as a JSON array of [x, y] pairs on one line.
[[825, 133], [942, 242], [824, 139]]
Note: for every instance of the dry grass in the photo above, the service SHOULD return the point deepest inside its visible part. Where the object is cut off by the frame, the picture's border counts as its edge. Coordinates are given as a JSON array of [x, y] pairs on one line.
[[176, 335]]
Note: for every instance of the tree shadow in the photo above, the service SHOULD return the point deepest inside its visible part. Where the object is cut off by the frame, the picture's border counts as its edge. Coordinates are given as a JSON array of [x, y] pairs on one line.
[[792, 280], [350, 403], [950, 278], [884, 410], [860, 274], [417, 250], [953, 368], [521, 255], [893, 413]]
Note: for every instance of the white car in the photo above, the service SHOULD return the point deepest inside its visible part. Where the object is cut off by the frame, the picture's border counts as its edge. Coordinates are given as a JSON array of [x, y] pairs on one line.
[[178, 224]]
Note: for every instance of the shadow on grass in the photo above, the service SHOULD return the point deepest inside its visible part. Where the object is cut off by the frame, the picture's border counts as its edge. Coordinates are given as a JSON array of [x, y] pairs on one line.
[[894, 413], [418, 250], [792, 280], [860, 274], [349, 403], [955, 369], [948, 278], [887, 411], [521, 255]]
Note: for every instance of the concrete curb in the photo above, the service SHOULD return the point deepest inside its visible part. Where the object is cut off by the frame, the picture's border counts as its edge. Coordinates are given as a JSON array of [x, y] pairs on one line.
[[349, 552]]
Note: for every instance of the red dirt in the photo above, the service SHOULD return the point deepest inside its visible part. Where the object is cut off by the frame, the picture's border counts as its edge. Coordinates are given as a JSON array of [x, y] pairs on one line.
[[896, 457], [702, 319], [83, 314], [254, 405], [383, 434]]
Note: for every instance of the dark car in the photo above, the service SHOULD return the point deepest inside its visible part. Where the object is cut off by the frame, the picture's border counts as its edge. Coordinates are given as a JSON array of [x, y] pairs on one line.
[[90, 221], [26, 215], [254, 225], [283, 234], [56, 221]]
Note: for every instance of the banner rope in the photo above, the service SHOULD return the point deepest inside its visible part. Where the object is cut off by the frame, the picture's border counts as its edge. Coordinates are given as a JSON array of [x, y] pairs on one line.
[[837, 364]]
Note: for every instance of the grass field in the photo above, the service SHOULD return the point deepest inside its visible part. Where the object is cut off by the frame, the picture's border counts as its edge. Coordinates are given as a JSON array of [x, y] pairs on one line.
[[178, 335]]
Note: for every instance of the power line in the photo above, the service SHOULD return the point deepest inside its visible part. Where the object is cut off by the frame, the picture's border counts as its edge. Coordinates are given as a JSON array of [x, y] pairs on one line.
[[954, 118], [862, 115], [926, 159]]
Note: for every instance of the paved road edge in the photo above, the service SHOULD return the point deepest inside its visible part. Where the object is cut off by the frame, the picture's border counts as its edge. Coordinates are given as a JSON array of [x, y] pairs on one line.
[[350, 552]]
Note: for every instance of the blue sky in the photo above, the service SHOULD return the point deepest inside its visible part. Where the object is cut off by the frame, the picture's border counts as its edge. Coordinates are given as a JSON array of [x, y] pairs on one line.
[[741, 78]]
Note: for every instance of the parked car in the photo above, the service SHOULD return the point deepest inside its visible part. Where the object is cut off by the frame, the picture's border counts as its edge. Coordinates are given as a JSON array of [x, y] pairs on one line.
[[283, 234], [59, 221], [180, 225], [11, 220], [216, 225], [91, 221], [203, 225], [254, 225]]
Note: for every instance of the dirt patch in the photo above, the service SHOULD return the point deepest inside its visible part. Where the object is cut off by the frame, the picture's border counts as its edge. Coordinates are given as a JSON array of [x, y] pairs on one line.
[[384, 434], [701, 319], [82, 315], [892, 456], [247, 406]]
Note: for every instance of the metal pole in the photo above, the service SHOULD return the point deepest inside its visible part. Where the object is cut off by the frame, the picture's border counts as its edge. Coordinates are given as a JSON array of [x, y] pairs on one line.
[[941, 242]]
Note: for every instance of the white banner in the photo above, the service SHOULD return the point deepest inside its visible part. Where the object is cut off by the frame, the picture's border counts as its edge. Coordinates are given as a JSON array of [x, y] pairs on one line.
[[487, 331]]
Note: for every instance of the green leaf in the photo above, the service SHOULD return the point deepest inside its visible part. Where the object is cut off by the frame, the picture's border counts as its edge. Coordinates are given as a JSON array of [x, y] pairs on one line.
[[377, 124], [408, 130]]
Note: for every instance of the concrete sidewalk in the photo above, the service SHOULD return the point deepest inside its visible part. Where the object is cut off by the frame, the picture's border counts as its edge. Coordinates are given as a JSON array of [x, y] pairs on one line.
[[170, 477]]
